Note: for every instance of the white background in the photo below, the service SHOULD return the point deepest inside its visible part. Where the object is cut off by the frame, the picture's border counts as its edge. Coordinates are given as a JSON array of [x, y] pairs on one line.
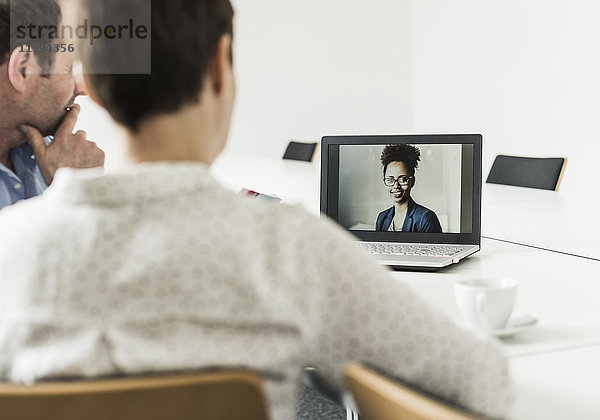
[[524, 73]]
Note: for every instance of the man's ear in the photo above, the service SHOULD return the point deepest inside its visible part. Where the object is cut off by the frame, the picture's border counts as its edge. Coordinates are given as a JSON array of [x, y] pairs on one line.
[[21, 65], [221, 64]]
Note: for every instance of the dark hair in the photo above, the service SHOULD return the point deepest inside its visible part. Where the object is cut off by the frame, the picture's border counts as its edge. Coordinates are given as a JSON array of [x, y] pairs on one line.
[[184, 37], [405, 153], [16, 14]]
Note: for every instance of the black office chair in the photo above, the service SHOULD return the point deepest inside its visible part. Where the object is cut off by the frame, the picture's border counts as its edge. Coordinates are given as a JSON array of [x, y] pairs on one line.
[[541, 173], [300, 151]]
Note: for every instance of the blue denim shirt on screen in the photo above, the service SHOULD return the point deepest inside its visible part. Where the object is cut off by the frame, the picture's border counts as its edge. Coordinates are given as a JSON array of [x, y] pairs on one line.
[[26, 181]]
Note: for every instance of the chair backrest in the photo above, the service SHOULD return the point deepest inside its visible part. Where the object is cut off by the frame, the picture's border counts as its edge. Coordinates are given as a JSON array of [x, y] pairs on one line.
[[222, 395], [300, 151], [541, 173], [380, 398]]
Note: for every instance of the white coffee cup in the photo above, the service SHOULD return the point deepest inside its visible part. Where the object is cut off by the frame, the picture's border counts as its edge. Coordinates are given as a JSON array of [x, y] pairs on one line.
[[486, 304]]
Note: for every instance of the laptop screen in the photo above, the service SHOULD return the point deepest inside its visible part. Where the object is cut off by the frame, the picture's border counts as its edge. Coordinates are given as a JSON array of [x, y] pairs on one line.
[[406, 188]]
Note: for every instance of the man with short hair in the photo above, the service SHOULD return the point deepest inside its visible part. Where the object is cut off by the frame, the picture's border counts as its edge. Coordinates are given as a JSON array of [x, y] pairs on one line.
[[37, 91], [159, 268]]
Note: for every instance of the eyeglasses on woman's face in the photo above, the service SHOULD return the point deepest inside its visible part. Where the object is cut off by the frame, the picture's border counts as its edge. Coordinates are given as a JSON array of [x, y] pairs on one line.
[[402, 180]]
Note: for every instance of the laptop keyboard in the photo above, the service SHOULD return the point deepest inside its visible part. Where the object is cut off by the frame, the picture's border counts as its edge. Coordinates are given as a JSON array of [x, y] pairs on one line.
[[412, 250]]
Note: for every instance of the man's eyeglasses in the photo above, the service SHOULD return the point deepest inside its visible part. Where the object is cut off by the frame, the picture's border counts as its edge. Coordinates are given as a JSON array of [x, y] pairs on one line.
[[390, 181]]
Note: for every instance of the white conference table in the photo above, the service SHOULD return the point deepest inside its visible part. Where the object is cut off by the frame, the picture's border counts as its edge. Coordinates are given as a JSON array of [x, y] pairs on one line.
[[560, 290], [554, 365], [546, 219], [557, 385]]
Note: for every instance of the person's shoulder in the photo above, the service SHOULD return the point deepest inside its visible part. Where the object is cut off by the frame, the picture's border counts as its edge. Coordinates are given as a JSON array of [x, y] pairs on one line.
[[292, 222], [292, 219], [425, 211], [384, 213], [290, 226], [21, 212], [23, 224], [251, 207]]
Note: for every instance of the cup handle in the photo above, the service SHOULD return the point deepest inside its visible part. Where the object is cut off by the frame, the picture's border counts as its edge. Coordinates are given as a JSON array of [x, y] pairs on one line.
[[481, 304]]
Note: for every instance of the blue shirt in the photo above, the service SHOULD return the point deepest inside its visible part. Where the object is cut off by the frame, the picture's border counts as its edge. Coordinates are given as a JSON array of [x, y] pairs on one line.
[[26, 181], [418, 219]]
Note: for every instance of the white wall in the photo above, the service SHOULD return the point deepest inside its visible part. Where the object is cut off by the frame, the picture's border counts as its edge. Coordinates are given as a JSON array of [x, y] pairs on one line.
[[314, 67], [523, 73]]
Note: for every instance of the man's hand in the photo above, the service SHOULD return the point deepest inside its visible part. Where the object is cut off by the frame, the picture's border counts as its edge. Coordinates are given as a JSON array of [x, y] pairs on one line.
[[66, 150]]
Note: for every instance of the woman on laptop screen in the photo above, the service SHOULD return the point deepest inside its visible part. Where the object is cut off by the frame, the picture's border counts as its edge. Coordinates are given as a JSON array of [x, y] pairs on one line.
[[400, 162]]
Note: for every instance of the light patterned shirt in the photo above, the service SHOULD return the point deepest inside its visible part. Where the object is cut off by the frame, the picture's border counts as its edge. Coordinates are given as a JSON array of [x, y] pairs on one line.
[[162, 269]]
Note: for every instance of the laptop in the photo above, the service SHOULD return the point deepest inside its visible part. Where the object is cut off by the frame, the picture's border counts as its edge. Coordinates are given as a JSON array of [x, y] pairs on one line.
[[413, 201]]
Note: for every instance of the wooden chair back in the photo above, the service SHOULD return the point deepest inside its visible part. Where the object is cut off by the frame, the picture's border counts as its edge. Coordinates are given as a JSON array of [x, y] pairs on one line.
[[380, 398], [221, 395]]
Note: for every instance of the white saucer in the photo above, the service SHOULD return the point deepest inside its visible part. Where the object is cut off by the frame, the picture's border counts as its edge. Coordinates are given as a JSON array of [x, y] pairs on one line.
[[516, 325]]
